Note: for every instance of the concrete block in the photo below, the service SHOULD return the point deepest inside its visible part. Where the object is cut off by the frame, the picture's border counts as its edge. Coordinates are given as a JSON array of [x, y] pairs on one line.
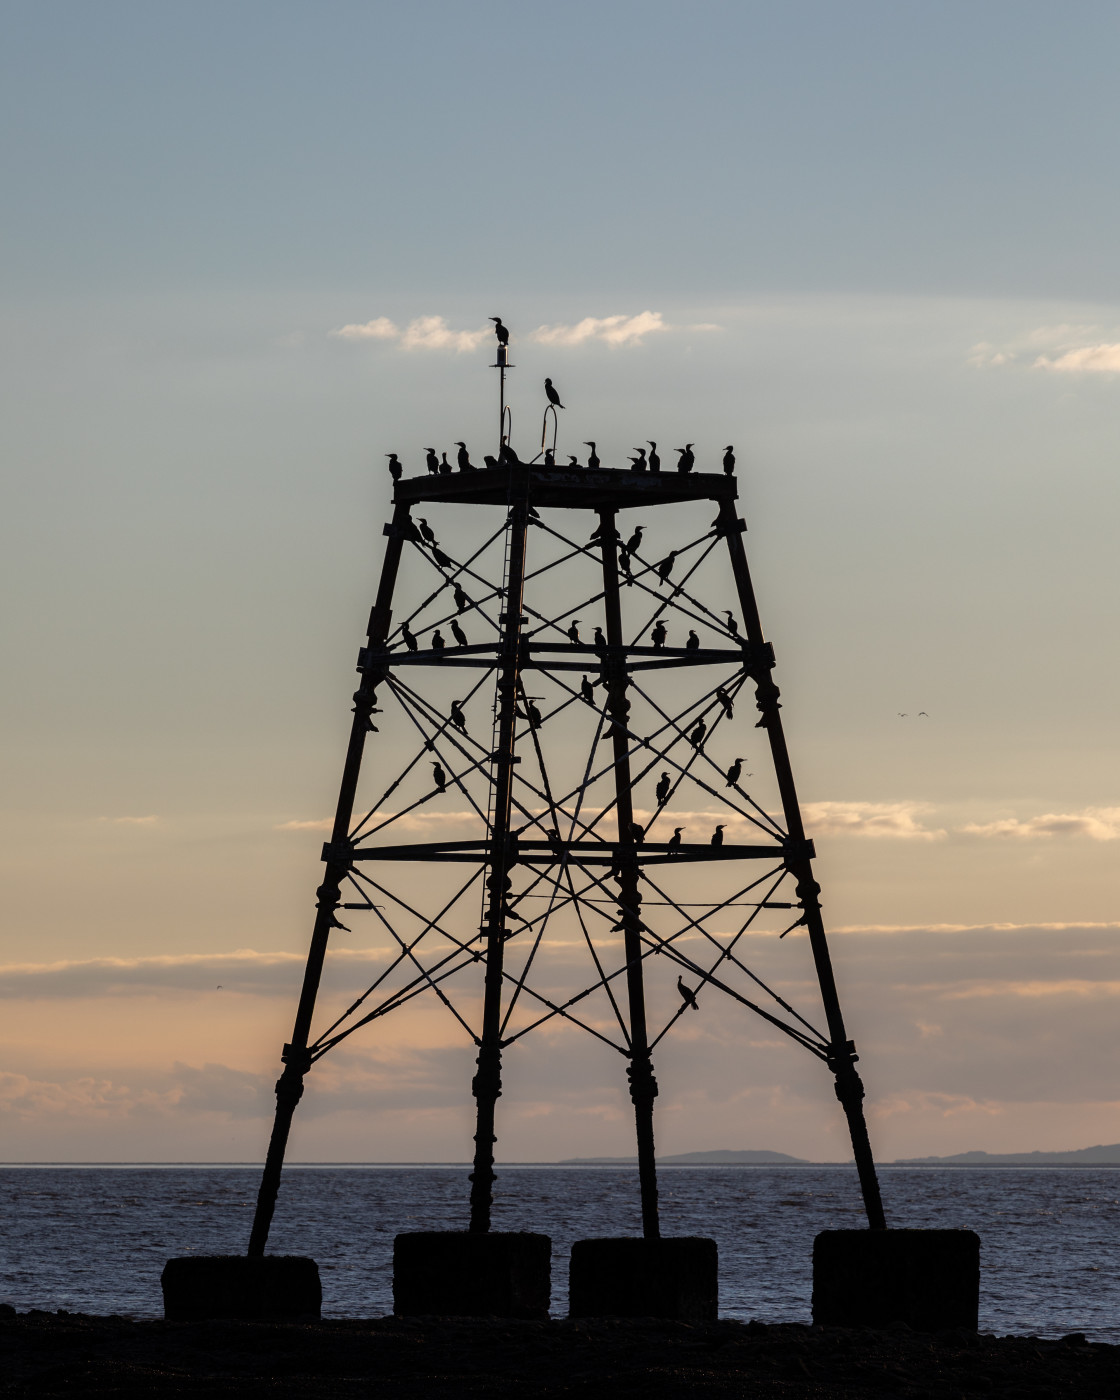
[[677, 1278], [453, 1273], [929, 1279], [277, 1287]]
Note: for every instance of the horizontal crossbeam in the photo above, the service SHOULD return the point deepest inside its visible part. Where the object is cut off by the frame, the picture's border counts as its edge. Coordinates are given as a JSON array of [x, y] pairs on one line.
[[585, 852]]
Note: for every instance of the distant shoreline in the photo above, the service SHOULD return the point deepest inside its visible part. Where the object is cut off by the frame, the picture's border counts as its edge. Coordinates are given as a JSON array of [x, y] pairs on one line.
[[569, 1165]]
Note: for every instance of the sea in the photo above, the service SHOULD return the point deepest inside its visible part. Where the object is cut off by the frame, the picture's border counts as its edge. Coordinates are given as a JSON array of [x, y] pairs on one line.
[[94, 1239]]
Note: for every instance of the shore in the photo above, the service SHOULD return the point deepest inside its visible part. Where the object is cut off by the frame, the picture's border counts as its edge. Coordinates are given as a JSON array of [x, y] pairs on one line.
[[52, 1354]]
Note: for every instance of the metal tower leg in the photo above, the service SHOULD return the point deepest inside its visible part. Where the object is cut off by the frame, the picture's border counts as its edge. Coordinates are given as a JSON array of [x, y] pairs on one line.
[[842, 1052], [289, 1087], [487, 1083], [643, 1085]]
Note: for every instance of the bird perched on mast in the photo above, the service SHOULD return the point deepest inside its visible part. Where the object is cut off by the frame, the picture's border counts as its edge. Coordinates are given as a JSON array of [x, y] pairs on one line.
[[573, 633], [688, 996], [463, 457], [634, 543], [440, 777], [687, 459], [396, 471], [729, 461], [732, 625], [445, 465], [663, 787], [693, 643], [593, 460], [500, 331], [717, 835], [551, 394], [734, 772], [432, 461], [654, 459], [426, 530], [674, 842], [658, 635], [458, 633], [638, 463]]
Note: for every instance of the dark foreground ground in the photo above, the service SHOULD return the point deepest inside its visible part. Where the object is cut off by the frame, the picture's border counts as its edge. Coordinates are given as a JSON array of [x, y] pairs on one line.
[[45, 1354]]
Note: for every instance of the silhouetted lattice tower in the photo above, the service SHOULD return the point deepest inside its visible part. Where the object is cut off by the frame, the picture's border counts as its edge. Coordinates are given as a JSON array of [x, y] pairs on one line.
[[619, 678]]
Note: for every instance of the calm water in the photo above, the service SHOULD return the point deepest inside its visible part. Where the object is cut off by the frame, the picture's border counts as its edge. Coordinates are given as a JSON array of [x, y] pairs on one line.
[[94, 1239]]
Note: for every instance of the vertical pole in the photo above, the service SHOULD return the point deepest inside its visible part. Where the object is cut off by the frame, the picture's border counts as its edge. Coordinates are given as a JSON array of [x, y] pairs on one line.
[[487, 1083], [842, 1052], [643, 1085], [289, 1087]]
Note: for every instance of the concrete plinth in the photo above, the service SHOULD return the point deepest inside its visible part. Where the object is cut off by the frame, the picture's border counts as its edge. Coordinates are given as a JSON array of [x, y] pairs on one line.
[[453, 1273], [277, 1286], [929, 1279], [675, 1278]]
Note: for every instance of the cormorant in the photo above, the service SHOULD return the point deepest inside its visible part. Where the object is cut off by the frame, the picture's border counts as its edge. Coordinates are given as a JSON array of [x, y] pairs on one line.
[[593, 460], [654, 459], [551, 394], [532, 714], [638, 463], [693, 643], [662, 793], [637, 834], [500, 331], [658, 635], [726, 701], [573, 633], [717, 835], [463, 457], [688, 996], [733, 773], [438, 643], [407, 637], [441, 558], [696, 738], [462, 602], [665, 568], [445, 465], [458, 718], [426, 530], [634, 543], [599, 642], [573, 463], [674, 843], [491, 462], [729, 461], [688, 458], [507, 457], [587, 691], [432, 461], [549, 457], [396, 471], [732, 625], [458, 633], [440, 777]]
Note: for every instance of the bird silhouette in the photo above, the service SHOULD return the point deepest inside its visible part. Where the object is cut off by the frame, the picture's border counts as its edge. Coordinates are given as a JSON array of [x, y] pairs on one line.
[[573, 633], [463, 457], [507, 457], [696, 738], [654, 459], [587, 691], [634, 543], [624, 564], [638, 463], [687, 458], [438, 643], [665, 568], [662, 792], [551, 394], [440, 777], [407, 637], [734, 773], [458, 718], [500, 331], [732, 625], [637, 834], [717, 835], [426, 530], [693, 643], [922, 714], [532, 714], [593, 460], [903, 716], [598, 641], [658, 635], [462, 602], [726, 701], [491, 462], [458, 633], [573, 463], [729, 461], [445, 465], [674, 842], [549, 457], [396, 471], [432, 460], [441, 559], [688, 996]]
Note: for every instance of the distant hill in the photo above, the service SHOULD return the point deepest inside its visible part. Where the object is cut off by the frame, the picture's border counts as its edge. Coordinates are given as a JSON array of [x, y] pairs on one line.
[[1083, 1157], [720, 1158]]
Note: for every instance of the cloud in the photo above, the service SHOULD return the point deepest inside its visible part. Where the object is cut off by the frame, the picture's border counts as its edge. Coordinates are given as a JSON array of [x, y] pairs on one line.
[[1088, 359], [323, 824], [612, 330], [422, 333], [130, 821], [892, 819], [1097, 823]]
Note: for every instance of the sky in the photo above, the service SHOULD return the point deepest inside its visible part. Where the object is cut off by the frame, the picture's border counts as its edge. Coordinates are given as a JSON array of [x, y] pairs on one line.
[[249, 249]]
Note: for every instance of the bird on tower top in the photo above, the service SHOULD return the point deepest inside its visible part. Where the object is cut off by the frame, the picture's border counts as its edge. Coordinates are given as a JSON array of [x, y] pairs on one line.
[[552, 395], [500, 331], [729, 461]]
